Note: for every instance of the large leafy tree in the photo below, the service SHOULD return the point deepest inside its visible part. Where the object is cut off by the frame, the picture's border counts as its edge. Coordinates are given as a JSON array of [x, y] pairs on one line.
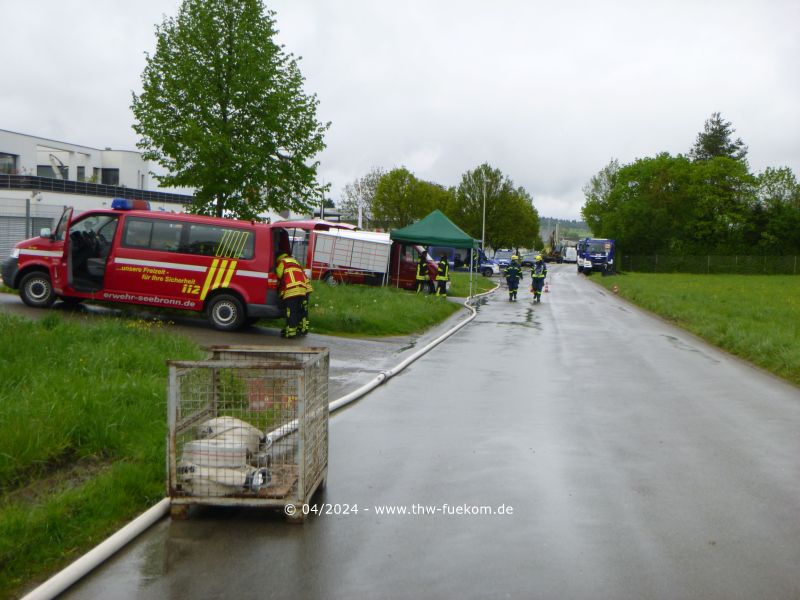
[[360, 196], [511, 220], [223, 111], [669, 204], [716, 140], [597, 193], [401, 199], [647, 207], [722, 190], [778, 207]]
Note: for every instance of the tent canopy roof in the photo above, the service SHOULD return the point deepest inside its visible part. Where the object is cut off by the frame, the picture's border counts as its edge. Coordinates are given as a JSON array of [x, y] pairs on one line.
[[435, 230]]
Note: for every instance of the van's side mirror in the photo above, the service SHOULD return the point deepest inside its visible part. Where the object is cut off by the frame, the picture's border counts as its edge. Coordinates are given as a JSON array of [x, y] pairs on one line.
[[45, 232]]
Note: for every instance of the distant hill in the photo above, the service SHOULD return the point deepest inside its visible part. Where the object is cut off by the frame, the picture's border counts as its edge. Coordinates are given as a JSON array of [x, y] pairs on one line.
[[570, 229]]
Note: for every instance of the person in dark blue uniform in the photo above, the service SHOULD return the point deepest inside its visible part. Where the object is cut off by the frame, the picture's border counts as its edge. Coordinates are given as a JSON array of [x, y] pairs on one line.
[[513, 274], [538, 273]]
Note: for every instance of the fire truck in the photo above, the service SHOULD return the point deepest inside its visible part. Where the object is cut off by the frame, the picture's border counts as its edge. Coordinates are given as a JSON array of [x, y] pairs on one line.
[[128, 254], [339, 253]]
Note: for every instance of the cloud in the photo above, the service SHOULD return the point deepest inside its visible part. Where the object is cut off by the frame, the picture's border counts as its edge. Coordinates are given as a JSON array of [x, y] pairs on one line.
[[547, 92]]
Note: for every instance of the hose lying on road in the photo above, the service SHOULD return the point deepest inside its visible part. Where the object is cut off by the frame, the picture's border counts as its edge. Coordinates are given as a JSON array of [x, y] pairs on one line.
[[90, 561], [384, 375]]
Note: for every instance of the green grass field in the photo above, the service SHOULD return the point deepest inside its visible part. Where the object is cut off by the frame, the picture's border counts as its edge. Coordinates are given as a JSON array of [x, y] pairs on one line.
[[366, 311], [459, 284], [82, 429], [755, 317]]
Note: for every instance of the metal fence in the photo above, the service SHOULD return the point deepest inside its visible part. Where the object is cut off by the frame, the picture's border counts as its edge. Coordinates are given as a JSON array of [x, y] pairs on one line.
[[711, 264], [23, 219]]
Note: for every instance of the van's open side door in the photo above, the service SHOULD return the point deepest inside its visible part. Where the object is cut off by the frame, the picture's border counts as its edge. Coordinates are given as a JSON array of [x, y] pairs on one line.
[[62, 272]]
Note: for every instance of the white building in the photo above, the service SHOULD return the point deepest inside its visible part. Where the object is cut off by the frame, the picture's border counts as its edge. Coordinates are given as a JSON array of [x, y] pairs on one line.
[[39, 177]]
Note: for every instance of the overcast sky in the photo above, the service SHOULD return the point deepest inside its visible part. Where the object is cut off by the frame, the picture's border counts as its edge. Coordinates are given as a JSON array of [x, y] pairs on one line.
[[548, 92]]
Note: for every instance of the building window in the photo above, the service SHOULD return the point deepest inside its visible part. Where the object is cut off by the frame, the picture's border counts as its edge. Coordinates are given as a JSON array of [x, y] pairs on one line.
[[81, 173], [8, 163], [110, 176]]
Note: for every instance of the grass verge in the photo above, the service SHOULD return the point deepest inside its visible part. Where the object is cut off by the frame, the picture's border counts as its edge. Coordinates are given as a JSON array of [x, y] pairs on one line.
[[755, 317], [82, 430], [365, 311], [459, 284]]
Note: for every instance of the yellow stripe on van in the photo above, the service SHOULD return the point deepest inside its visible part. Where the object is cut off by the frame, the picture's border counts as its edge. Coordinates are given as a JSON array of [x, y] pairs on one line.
[[223, 243], [209, 277], [241, 239], [220, 273], [229, 274]]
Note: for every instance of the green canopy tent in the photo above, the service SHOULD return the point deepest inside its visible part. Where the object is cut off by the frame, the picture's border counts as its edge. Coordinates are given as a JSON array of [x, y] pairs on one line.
[[436, 230]]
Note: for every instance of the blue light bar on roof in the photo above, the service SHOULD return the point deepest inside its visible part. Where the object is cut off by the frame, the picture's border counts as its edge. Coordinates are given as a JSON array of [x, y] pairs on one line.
[[129, 204]]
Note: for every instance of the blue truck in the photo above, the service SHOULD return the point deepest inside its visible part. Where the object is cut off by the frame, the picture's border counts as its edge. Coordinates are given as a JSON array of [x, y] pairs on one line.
[[595, 255]]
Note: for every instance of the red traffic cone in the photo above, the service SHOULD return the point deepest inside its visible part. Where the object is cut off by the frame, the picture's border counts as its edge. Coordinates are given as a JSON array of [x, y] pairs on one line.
[[546, 287]]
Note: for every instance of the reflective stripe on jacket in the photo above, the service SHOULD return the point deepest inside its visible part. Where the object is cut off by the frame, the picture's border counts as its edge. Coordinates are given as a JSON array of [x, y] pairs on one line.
[[443, 271], [422, 270], [292, 279], [513, 271]]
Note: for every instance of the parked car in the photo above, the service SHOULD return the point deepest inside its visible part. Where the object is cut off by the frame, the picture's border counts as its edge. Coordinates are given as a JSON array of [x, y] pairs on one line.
[[569, 254], [503, 257], [527, 260]]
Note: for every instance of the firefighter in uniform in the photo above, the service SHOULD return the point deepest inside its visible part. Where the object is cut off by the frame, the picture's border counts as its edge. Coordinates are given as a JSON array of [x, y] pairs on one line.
[[423, 280], [293, 289], [304, 323], [538, 273], [442, 276], [513, 274]]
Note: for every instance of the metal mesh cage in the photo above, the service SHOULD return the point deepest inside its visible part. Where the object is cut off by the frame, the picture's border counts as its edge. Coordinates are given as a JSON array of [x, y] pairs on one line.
[[249, 426]]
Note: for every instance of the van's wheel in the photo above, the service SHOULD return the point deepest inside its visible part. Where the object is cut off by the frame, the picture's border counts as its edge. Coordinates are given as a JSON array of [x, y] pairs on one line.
[[36, 290], [226, 313], [330, 279], [487, 272]]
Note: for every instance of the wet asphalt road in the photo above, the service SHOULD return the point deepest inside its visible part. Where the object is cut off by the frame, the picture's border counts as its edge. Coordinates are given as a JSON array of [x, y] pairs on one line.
[[637, 463]]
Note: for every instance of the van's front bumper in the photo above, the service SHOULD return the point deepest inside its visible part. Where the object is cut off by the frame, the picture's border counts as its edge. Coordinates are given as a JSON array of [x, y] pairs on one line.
[[9, 272]]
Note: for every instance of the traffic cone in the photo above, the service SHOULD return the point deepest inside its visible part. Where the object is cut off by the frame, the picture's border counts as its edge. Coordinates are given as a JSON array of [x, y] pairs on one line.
[[546, 287]]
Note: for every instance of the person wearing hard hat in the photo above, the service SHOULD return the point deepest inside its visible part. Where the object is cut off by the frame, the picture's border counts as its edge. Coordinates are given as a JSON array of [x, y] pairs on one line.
[[538, 273], [423, 278], [293, 290], [513, 275], [442, 275]]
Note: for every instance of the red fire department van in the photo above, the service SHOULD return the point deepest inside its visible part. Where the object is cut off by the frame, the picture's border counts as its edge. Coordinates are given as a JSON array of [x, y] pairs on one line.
[[222, 267], [338, 253]]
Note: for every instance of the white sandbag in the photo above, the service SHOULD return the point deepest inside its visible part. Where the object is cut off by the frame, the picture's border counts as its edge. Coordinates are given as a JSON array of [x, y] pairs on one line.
[[232, 430], [215, 453], [214, 481]]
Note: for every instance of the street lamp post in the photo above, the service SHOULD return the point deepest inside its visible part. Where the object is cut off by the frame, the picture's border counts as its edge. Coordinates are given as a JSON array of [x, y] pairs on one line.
[[483, 227]]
